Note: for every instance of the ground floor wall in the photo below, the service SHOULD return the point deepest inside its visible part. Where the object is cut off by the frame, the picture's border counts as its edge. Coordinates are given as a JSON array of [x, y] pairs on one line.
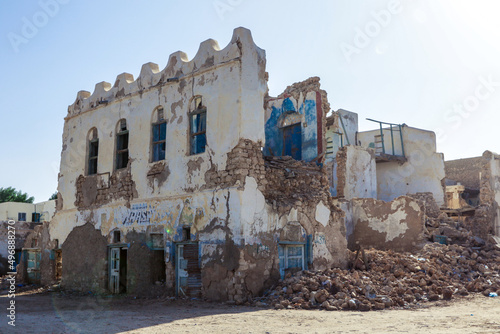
[[395, 225], [226, 244]]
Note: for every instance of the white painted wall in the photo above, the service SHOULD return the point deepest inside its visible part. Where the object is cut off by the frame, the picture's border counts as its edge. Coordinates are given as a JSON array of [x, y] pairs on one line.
[[232, 83], [10, 210], [350, 121], [423, 171], [361, 175]]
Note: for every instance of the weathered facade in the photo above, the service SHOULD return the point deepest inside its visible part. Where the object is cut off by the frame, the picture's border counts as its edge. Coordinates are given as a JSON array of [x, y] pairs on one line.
[[371, 173], [164, 186], [419, 169]]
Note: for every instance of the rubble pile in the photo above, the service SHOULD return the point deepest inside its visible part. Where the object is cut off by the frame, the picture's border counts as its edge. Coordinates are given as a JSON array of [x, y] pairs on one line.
[[393, 280], [452, 230]]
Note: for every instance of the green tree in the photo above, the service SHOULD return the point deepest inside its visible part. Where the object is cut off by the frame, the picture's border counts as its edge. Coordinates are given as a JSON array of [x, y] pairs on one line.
[[54, 196], [10, 194]]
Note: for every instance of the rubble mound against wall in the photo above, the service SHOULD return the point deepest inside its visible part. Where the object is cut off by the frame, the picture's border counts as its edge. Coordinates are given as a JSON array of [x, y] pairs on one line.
[[430, 205], [393, 280]]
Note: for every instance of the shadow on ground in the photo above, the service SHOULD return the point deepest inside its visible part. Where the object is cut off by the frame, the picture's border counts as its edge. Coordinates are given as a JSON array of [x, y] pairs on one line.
[[57, 312]]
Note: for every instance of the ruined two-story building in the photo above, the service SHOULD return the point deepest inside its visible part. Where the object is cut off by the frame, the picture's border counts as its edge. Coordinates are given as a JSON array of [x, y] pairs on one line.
[[163, 184]]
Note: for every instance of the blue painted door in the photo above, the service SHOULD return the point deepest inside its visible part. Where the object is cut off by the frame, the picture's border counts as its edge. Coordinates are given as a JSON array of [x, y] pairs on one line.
[[292, 141], [33, 265]]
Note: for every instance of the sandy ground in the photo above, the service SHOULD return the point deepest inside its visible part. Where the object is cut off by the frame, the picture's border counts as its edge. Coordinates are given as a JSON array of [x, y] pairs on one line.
[[56, 313]]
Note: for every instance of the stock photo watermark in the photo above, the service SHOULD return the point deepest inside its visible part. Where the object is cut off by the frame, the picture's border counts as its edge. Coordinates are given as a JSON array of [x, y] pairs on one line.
[[11, 250], [456, 115], [363, 36], [32, 25], [223, 6]]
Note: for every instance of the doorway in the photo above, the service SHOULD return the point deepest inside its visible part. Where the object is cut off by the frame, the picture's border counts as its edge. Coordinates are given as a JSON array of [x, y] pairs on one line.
[[292, 141], [33, 257], [188, 272], [118, 270]]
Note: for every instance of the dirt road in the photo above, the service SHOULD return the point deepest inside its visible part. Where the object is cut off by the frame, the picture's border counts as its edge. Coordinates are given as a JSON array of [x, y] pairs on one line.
[[55, 313]]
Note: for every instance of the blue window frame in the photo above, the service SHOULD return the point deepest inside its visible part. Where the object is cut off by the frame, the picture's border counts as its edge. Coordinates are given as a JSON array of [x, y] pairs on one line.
[[198, 129], [159, 140]]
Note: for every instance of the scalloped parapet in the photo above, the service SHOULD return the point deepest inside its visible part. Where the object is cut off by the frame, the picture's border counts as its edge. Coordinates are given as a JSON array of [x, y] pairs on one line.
[[208, 55]]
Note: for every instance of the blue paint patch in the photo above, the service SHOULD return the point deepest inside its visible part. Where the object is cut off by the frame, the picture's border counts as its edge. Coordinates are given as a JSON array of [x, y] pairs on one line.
[[288, 105], [275, 136]]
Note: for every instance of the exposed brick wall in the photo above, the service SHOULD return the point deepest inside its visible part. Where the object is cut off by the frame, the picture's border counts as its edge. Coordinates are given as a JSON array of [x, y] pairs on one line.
[[245, 159], [430, 205], [90, 194], [465, 171]]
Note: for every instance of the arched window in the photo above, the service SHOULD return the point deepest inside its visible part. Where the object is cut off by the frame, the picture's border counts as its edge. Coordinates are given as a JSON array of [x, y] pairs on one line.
[[159, 135], [121, 144], [197, 126], [93, 151]]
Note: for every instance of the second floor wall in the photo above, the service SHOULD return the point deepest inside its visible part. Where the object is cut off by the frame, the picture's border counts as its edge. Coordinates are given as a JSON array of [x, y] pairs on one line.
[[208, 104]]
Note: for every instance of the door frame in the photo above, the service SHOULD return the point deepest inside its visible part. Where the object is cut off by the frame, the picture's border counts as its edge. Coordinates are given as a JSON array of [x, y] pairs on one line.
[[177, 257], [111, 249], [290, 128]]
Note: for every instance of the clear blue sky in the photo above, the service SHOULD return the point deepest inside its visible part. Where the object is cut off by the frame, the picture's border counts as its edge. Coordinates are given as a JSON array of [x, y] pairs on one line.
[[418, 63]]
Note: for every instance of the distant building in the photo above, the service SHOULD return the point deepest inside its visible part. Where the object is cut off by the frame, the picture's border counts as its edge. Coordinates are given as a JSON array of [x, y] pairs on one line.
[[25, 216]]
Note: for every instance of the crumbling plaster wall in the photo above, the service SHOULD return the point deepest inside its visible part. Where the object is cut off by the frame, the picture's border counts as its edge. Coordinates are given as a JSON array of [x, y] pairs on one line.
[[356, 173], [486, 219], [22, 230], [221, 77], [39, 238], [344, 122], [422, 172], [349, 127], [395, 225], [218, 194]]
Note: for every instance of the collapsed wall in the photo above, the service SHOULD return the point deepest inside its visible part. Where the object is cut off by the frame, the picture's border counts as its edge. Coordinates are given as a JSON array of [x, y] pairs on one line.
[[479, 174], [22, 231]]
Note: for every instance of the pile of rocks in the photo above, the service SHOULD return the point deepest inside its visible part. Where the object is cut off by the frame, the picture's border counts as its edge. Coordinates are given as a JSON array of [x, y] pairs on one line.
[[393, 280]]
